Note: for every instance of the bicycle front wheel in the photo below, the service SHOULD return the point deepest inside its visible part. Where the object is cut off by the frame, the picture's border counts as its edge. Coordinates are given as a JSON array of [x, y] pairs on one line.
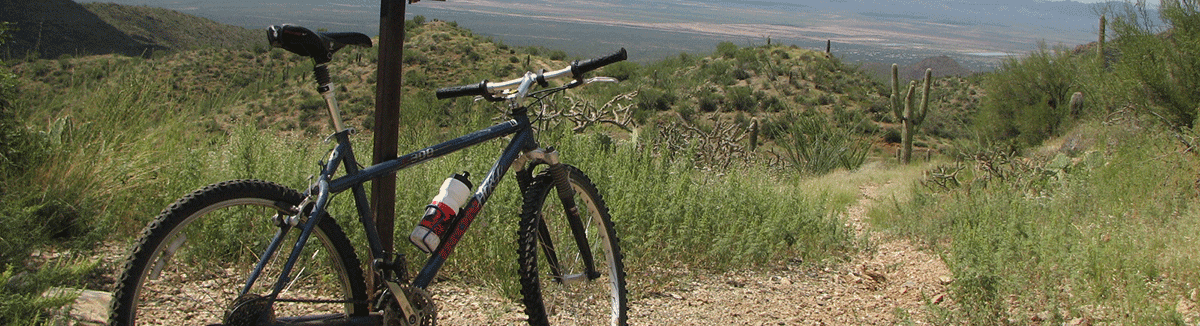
[[193, 261], [555, 253]]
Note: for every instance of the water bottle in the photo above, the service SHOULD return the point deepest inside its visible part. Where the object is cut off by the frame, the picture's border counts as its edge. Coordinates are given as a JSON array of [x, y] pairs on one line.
[[435, 225]]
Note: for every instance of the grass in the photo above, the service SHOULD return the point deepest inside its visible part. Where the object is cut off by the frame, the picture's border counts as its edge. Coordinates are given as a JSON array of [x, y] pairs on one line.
[[1073, 215], [124, 137], [1097, 224], [1107, 237]]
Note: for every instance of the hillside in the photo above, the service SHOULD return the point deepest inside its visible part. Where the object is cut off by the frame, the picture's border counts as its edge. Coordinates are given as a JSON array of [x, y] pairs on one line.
[[175, 30], [53, 28], [1018, 211]]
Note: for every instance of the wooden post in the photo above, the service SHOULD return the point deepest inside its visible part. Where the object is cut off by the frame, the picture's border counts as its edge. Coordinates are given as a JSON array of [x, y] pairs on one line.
[[387, 116]]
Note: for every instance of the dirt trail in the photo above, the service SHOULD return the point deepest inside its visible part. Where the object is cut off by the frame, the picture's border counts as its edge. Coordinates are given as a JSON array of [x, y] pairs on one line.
[[889, 285], [892, 284]]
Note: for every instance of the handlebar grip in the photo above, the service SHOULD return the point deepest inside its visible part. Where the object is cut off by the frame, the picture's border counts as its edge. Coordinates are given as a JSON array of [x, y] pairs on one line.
[[578, 68], [479, 89]]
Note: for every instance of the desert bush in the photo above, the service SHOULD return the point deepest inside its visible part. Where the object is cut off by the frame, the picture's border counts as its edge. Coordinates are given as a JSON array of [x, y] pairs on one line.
[[654, 99], [708, 101], [814, 145], [623, 71], [741, 98], [727, 50], [1028, 97], [1164, 62]]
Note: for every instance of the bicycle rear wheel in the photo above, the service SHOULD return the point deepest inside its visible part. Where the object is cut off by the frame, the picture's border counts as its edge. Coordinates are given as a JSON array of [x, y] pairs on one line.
[[194, 259], [555, 282]]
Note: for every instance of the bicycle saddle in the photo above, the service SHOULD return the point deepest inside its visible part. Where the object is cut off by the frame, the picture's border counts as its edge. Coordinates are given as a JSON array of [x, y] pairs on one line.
[[318, 45]]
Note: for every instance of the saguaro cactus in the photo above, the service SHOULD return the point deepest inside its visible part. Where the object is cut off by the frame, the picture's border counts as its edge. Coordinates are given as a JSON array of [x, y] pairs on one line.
[[909, 116], [1076, 104], [753, 134], [1100, 44]]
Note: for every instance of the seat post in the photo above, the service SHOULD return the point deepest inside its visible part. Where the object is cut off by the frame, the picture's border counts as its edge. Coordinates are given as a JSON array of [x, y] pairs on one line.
[[325, 87]]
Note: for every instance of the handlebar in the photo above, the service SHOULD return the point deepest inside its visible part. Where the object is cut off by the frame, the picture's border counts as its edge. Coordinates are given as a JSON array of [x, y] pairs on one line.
[[464, 90], [576, 71], [578, 68]]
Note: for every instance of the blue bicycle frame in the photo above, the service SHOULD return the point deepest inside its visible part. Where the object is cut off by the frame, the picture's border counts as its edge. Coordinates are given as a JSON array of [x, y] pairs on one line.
[[343, 155]]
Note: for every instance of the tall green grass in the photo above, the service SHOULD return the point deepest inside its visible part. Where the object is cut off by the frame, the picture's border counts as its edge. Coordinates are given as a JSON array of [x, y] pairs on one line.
[[124, 137], [1108, 236]]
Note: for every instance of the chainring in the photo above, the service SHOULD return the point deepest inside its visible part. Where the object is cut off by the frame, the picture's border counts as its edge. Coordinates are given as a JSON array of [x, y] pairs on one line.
[[420, 300]]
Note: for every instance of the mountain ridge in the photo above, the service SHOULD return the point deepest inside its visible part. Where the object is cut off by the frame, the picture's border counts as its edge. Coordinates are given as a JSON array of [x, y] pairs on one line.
[[53, 28]]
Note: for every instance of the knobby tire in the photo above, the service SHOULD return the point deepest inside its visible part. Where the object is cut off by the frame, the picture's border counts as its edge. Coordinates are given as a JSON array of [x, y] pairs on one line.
[[212, 239], [548, 298]]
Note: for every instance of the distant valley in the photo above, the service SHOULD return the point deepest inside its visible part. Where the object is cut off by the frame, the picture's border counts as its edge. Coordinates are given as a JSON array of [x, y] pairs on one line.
[[974, 33]]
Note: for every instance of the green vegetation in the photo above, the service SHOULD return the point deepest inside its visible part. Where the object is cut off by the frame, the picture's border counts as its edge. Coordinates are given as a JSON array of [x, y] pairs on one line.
[[173, 30], [1027, 97], [1063, 216], [1166, 65], [1039, 208], [29, 226], [108, 141]]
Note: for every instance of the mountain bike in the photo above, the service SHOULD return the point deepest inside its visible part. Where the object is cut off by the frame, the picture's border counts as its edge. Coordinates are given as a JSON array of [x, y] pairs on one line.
[[207, 258]]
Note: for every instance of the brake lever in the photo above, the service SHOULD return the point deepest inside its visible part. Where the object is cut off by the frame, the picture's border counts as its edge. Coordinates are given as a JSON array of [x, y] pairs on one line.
[[508, 93], [601, 80]]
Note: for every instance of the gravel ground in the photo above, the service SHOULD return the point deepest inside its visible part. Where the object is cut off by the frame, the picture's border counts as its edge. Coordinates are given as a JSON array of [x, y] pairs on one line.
[[893, 284]]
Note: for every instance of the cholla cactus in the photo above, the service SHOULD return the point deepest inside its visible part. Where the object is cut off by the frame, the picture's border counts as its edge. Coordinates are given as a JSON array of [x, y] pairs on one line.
[[909, 116]]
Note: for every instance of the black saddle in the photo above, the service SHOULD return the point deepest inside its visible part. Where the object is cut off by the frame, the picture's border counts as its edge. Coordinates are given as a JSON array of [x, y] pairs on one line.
[[318, 45]]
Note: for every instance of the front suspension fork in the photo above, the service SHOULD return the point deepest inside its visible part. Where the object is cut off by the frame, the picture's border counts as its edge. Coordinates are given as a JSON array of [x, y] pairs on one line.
[[566, 195]]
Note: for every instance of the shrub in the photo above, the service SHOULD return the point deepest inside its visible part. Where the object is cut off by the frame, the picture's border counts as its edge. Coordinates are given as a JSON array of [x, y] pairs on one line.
[[414, 57], [741, 74], [623, 71], [654, 99], [709, 101], [686, 112], [1165, 64], [741, 98], [727, 50], [813, 145], [1027, 98], [892, 136], [19, 149]]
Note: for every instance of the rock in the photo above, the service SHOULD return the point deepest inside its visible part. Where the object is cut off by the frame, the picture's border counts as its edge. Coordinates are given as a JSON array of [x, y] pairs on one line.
[[90, 307], [877, 277], [1078, 322]]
